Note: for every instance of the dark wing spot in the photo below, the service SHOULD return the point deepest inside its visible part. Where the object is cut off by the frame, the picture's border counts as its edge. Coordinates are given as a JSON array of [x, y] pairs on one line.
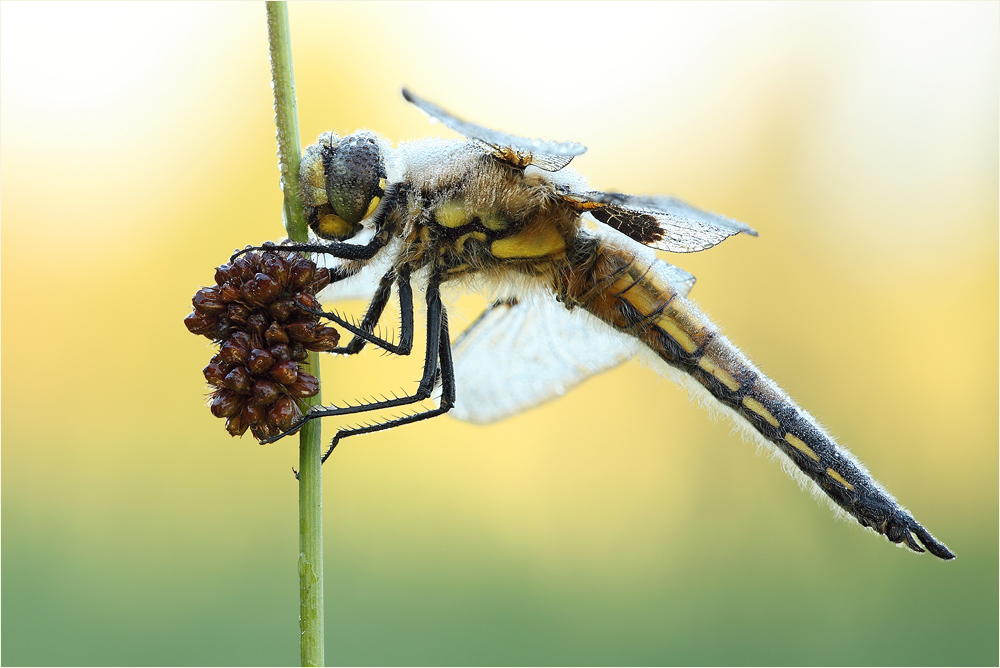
[[640, 226]]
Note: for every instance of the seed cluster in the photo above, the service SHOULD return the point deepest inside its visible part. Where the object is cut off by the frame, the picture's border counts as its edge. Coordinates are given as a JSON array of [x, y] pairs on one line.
[[258, 314]]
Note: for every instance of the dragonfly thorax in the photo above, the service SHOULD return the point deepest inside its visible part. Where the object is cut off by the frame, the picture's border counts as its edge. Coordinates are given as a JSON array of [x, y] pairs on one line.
[[474, 214]]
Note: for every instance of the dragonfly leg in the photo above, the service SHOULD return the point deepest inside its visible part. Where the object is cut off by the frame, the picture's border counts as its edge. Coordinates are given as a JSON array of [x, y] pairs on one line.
[[337, 249], [447, 375], [363, 333], [340, 249], [436, 321]]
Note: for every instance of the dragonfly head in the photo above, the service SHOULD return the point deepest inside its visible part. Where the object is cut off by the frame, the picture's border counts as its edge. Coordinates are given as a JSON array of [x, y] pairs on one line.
[[342, 181]]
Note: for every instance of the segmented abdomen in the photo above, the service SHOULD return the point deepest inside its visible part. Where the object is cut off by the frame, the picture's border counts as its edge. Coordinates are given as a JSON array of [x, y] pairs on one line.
[[627, 291]]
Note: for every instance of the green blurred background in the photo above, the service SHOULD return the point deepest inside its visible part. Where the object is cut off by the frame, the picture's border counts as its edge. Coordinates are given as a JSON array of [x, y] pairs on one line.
[[618, 525]]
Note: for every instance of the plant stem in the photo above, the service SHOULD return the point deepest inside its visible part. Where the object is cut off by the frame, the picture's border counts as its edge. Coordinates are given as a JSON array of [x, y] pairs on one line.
[[310, 441]]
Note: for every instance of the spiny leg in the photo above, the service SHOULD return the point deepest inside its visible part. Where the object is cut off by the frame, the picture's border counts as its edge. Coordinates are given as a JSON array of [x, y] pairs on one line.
[[447, 370], [435, 313], [376, 307], [337, 249], [340, 249], [355, 252]]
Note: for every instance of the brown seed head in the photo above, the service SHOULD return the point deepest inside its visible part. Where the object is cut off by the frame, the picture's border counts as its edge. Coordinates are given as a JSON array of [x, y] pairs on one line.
[[259, 314]]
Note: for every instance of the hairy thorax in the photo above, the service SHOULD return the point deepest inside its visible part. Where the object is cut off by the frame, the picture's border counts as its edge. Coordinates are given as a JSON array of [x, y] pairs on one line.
[[481, 216]]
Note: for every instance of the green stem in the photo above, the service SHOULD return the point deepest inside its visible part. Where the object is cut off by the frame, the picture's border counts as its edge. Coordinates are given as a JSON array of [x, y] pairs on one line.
[[310, 440]]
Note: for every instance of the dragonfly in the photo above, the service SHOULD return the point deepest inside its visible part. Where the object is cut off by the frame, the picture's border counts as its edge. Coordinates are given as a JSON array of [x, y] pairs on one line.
[[577, 288]]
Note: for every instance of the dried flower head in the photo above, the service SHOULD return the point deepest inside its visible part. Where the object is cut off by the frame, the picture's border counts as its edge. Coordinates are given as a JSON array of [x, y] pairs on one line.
[[256, 313]]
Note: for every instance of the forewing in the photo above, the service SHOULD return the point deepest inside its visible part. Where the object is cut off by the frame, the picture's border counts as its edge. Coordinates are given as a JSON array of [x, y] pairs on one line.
[[658, 221], [519, 151], [519, 355]]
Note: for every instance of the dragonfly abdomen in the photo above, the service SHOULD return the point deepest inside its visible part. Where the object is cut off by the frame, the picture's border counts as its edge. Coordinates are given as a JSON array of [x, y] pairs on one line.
[[626, 290]]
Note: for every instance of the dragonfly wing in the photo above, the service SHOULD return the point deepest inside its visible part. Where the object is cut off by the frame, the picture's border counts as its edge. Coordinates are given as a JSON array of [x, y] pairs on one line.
[[658, 221], [518, 355], [684, 211], [519, 151]]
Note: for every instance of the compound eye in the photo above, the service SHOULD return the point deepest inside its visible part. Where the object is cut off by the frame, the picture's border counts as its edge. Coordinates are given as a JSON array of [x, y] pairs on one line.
[[355, 177]]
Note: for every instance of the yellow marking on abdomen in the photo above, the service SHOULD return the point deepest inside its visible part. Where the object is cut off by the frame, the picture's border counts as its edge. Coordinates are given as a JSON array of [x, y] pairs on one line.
[[677, 334], [682, 325], [759, 409], [798, 443], [839, 478], [640, 289], [720, 374], [536, 242]]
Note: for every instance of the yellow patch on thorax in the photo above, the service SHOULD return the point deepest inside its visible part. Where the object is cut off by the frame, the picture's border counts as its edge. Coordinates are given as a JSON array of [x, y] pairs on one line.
[[494, 221], [531, 242], [461, 241], [452, 214]]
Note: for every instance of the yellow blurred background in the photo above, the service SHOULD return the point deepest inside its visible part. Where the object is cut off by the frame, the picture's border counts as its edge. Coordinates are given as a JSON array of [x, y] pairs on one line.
[[618, 525]]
